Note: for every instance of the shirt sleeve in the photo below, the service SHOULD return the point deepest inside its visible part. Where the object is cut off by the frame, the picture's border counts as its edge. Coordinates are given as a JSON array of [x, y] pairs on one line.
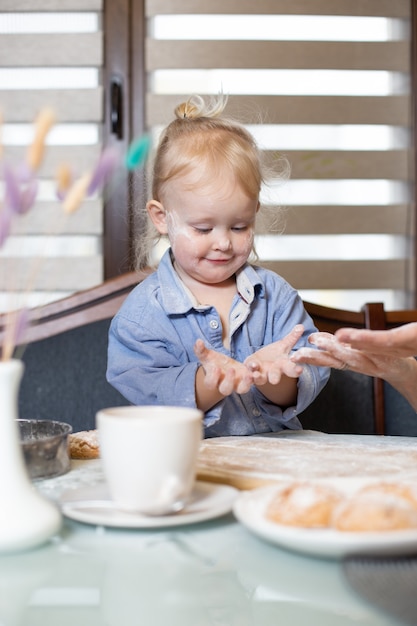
[[275, 418], [150, 365]]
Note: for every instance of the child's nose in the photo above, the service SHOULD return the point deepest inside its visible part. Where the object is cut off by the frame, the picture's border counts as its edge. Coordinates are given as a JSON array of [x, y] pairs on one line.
[[224, 242]]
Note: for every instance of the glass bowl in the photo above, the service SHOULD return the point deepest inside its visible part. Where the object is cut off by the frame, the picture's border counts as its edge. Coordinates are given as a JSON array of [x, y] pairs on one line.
[[45, 447]]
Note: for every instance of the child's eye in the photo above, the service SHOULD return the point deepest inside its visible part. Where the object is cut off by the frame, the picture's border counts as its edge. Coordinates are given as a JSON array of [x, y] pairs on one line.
[[202, 230], [239, 229]]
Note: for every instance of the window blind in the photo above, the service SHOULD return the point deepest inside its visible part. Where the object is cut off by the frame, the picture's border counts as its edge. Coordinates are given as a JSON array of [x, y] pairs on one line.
[[51, 55], [327, 85]]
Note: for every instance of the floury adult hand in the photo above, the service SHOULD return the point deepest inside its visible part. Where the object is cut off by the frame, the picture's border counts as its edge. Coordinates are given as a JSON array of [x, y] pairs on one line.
[[222, 372], [400, 341], [268, 364], [333, 353]]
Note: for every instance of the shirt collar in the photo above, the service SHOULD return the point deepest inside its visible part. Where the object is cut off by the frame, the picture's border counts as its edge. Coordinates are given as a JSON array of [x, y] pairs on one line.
[[176, 297], [246, 281]]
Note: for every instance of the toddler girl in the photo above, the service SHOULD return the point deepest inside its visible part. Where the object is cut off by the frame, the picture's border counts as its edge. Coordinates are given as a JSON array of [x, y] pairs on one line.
[[208, 329]]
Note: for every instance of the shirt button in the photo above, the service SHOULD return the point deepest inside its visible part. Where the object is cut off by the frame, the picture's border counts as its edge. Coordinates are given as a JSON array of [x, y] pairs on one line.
[[214, 324], [256, 412]]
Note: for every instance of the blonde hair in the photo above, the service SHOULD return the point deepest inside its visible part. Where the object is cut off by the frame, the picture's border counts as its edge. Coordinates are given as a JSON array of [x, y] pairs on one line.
[[201, 139]]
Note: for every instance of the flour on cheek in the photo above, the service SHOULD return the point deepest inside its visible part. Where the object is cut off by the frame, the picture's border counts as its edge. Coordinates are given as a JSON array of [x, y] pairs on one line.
[[177, 230]]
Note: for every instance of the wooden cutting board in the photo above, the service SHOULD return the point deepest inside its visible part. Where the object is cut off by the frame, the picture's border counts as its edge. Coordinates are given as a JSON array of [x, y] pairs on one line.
[[249, 462]]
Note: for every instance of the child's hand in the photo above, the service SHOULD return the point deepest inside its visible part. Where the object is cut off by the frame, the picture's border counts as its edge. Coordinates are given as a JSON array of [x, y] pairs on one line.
[[222, 372], [268, 364]]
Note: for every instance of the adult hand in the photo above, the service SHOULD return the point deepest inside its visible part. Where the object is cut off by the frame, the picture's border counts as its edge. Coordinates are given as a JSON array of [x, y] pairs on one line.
[[401, 341], [334, 353]]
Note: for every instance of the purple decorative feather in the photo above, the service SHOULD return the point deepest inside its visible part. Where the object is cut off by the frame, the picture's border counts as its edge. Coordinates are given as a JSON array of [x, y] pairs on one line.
[[12, 192], [28, 195], [21, 189], [108, 162], [23, 172]]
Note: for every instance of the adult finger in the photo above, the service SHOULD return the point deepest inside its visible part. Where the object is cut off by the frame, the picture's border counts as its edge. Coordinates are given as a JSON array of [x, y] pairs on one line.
[[309, 356]]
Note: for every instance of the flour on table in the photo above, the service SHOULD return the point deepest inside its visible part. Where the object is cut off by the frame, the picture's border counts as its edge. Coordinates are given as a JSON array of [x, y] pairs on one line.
[[248, 462]]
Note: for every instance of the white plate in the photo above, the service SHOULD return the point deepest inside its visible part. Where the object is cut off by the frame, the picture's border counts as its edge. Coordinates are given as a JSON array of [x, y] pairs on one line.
[[92, 505], [249, 508]]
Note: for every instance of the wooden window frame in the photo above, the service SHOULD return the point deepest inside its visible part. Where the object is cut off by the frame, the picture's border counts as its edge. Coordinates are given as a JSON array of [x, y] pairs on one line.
[[413, 70], [124, 39]]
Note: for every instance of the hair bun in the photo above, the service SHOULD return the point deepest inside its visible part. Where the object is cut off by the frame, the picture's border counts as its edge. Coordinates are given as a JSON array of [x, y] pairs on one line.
[[187, 110], [196, 107]]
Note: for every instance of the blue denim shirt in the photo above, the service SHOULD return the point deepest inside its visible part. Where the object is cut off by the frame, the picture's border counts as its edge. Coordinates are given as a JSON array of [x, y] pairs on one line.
[[151, 358]]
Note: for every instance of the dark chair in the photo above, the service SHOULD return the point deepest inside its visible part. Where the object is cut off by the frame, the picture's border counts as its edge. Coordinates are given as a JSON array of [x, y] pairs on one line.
[[64, 350], [351, 402]]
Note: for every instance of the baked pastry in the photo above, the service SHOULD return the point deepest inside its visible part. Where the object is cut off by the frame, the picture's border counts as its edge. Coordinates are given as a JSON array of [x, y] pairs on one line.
[[407, 491], [376, 507], [84, 445], [380, 507], [304, 505]]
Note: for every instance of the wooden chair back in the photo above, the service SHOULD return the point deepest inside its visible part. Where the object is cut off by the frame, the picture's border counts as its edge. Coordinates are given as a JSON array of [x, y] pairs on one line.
[[369, 417], [81, 308], [400, 317], [400, 417], [329, 319]]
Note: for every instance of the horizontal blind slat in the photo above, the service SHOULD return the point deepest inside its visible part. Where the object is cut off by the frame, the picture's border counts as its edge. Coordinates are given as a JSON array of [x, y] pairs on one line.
[[174, 54], [51, 5], [337, 274], [68, 274], [46, 218], [397, 8], [334, 220], [70, 105], [80, 158], [55, 50], [338, 164], [391, 110]]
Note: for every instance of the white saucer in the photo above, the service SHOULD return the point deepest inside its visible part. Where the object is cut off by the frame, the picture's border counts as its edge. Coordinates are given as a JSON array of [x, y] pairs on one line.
[[92, 505]]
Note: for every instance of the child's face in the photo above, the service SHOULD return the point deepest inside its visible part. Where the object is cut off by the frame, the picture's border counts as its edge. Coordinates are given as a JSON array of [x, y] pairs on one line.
[[210, 230]]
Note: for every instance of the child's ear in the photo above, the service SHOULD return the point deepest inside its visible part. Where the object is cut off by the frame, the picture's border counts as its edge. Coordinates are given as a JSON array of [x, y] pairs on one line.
[[158, 216]]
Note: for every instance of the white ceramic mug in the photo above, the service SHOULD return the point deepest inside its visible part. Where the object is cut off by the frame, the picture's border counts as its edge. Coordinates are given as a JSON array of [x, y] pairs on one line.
[[149, 456]]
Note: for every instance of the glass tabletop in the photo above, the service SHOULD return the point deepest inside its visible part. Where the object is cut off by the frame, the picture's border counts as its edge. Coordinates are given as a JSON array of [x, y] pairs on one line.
[[211, 573]]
